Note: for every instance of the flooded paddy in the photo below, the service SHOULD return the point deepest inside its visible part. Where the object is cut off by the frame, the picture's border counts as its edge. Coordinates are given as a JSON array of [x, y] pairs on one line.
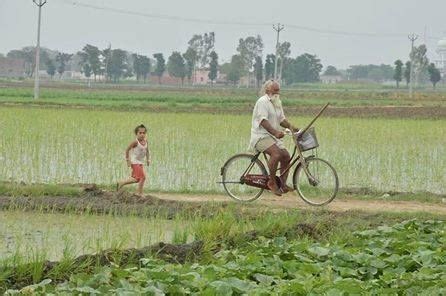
[[33, 235]]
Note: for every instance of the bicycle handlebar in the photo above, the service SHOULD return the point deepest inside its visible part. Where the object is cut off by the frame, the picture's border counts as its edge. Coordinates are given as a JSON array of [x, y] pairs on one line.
[[288, 132]]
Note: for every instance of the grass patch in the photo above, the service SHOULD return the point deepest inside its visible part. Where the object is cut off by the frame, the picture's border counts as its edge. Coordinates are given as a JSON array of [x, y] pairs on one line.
[[232, 232]]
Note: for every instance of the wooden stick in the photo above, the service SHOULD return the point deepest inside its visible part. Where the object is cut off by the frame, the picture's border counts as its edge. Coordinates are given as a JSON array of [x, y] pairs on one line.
[[314, 119]]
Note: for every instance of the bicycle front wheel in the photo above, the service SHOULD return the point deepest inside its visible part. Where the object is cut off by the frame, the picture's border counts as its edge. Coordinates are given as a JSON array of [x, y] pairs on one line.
[[320, 186], [232, 173]]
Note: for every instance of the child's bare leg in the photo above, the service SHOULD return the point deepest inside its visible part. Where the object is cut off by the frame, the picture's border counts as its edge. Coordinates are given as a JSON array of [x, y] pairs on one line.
[[126, 182], [141, 186]]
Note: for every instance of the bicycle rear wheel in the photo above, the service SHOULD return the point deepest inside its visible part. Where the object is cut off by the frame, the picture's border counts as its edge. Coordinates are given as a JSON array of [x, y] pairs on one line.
[[321, 187], [232, 173]]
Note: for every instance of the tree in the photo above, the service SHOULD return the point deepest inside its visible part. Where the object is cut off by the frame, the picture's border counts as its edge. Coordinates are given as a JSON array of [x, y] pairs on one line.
[[376, 73], [304, 68], [50, 68], [420, 61], [331, 71], [283, 52], [249, 48], [407, 72], [118, 65], [258, 70], [28, 54], [62, 59], [160, 66], [307, 68], [145, 66], [208, 47], [106, 58], [141, 66], [176, 66], [203, 45], [91, 54], [289, 74], [434, 74], [86, 70], [398, 75], [269, 66], [235, 69], [190, 56], [213, 66]]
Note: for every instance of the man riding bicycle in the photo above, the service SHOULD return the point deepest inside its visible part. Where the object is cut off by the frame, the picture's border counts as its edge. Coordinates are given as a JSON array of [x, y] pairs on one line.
[[266, 134]]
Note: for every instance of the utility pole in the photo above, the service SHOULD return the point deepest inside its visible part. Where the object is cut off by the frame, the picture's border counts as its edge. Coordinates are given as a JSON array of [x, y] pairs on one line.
[[39, 3], [412, 38], [277, 28], [107, 60]]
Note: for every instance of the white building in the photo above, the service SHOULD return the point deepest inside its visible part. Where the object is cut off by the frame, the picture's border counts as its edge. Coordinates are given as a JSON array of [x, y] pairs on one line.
[[441, 51], [330, 79]]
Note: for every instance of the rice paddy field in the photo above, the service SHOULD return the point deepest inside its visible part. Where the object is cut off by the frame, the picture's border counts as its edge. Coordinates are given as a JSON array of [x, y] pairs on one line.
[[75, 135], [87, 146], [211, 99], [51, 236]]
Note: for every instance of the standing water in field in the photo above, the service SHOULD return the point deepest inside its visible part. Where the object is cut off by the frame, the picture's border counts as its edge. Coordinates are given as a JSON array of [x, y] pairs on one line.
[[31, 235]]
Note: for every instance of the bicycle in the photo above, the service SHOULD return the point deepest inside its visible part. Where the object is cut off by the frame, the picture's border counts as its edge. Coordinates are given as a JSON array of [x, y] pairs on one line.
[[245, 177]]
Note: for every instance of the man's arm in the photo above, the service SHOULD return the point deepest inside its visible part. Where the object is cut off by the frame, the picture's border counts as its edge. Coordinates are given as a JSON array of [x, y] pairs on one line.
[[286, 124], [266, 125]]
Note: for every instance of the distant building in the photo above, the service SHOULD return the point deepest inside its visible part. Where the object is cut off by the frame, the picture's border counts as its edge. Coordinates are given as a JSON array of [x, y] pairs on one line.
[[66, 75], [200, 77], [12, 68], [329, 79], [74, 75]]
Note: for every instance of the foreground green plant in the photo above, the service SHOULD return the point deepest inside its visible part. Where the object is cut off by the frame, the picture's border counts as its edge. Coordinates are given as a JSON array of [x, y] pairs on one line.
[[407, 258]]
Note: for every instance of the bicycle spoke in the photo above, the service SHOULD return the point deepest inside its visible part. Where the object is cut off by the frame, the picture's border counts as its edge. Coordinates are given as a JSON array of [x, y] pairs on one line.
[[232, 171], [321, 186]]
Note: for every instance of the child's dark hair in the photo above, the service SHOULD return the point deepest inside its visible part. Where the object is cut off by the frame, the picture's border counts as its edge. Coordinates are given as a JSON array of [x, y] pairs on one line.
[[140, 126]]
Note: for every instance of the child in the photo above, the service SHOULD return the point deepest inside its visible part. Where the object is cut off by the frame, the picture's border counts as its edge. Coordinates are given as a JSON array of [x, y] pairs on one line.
[[139, 150]]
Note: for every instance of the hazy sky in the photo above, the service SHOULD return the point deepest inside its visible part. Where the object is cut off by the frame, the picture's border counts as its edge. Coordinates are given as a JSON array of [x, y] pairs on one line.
[[68, 27]]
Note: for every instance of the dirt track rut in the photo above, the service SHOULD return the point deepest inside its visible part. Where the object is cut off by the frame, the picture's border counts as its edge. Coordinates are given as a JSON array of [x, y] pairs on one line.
[[341, 205]]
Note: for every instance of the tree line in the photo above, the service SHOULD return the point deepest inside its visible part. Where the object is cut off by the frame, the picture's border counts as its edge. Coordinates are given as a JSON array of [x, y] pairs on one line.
[[422, 70], [247, 63]]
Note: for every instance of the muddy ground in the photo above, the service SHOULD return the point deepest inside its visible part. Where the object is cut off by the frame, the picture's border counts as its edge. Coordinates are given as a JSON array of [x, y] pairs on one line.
[[96, 200], [420, 112]]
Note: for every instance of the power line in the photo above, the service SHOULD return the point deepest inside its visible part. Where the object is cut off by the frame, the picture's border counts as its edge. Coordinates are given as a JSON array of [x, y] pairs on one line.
[[237, 23], [164, 16]]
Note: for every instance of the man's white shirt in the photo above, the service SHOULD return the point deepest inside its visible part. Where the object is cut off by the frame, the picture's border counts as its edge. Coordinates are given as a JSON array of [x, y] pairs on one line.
[[264, 109]]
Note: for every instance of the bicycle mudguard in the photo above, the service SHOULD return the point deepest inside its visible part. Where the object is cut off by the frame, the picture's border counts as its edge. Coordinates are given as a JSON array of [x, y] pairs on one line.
[[300, 163]]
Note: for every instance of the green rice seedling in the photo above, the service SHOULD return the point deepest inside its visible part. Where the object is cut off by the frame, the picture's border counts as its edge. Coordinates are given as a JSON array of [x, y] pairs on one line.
[[380, 154]]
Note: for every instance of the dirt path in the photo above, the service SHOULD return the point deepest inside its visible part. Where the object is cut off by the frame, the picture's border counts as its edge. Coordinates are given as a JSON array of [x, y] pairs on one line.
[[340, 205]]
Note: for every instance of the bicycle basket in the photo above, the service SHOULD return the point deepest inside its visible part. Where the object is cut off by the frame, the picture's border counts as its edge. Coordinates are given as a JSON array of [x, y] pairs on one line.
[[308, 140]]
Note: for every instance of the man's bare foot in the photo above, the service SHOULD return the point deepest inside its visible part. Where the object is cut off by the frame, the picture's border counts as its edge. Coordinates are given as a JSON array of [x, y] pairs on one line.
[[273, 187], [286, 189]]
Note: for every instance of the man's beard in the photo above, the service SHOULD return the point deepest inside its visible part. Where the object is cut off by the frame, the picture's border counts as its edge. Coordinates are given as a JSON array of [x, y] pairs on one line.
[[275, 100]]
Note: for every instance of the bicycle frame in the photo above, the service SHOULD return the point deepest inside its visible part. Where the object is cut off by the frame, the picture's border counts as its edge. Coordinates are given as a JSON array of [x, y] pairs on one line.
[[297, 156]]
